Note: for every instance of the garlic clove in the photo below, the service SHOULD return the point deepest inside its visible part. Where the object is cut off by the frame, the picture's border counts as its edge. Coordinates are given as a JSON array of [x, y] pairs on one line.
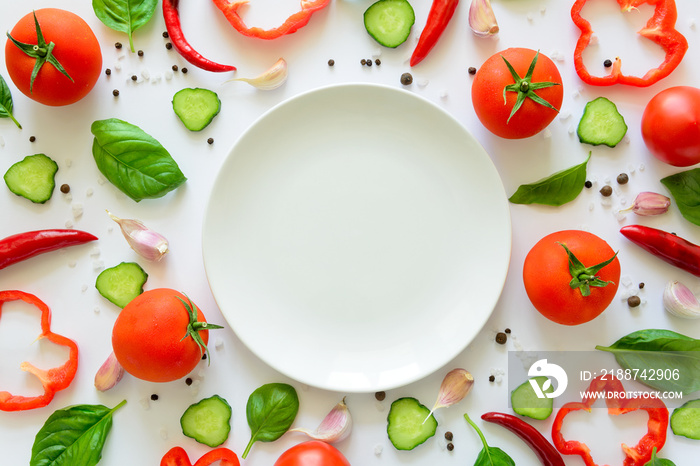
[[455, 386], [109, 374], [334, 428], [649, 203], [147, 243], [270, 79], [482, 19], [680, 301]]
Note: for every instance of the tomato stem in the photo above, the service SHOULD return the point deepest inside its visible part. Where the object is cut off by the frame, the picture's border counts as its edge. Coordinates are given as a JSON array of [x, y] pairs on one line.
[[525, 88], [194, 327], [583, 277]]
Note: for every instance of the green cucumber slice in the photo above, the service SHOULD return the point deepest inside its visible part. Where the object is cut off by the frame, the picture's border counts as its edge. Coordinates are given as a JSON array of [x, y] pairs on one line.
[[409, 423], [601, 123], [525, 402], [33, 178], [208, 421], [389, 22], [196, 107], [685, 420], [121, 283]]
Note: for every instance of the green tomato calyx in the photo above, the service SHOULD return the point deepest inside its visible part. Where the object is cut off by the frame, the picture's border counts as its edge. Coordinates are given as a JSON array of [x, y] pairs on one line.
[[525, 87], [41, 51], [194, 327], [583, 277]]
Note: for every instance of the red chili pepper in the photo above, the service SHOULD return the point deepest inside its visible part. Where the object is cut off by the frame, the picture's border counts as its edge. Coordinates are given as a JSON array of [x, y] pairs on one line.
[[171, 14], [292, 24], [660, 29], [617, 403], [52, 380], [441, 12], [177, 456], [545, 451], [22, 246], [667, 246]]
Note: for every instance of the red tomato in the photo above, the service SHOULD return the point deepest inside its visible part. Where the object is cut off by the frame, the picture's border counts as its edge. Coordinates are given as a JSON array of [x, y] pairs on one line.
[[547, 277], [147, 337], [312, 453], [76, 49], [487, 94], [671, 126]]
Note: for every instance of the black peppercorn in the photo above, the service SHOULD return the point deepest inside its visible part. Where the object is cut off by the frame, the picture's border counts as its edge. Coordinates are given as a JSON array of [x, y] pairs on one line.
[[623, 178], [188, 381], [168, 45], [472, 70], [363, 62], [331, 62], [406, 79], [140, 53], [507, 330], [641, 285], [165, 34], [634, 301], [118, 45], [210, 141], [32, 138], [204, 356], [492, 378], [154, 397], [588, 184], [606, 191], [175, 68], [134, 77], [377, 62], [450, 447], [448, 436], [380, 396], [65, 189], [115, 92], [501, 338], [108, 71], [607, 63], [184, 70], [368, 62]]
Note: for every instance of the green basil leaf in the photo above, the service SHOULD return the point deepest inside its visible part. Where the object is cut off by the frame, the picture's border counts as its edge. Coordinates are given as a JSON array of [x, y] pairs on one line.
[[73, 436], [124, 15], [133, 161], [656, 461], [493, 456], [6, 102], [271, 410], [661, 359], [555, 190], [685, 190]]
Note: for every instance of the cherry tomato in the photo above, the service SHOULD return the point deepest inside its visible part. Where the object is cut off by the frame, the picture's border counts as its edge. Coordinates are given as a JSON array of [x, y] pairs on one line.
[[312, 453], [492, 78], [76, 49], [671, 126], [151, 340], [547, 277]]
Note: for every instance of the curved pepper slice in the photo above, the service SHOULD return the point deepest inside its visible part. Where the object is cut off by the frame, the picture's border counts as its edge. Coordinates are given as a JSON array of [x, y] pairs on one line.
[[177, 456], [660, 29], [617, 403], [292, 24], [52, 380]]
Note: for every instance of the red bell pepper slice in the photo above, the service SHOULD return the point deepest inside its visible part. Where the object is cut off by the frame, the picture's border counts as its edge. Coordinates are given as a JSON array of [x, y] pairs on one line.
[[177, 456], [660, 29], [292, 24], [52, 380], [617, 403]]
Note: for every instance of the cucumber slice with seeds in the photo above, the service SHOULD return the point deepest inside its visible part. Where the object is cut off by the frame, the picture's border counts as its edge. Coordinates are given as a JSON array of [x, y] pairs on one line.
[[409, 423], [525, 402], [196, 107], [389, 22], [121, 283], [207, 421], [685, 421], [33, 178], [601, 123]]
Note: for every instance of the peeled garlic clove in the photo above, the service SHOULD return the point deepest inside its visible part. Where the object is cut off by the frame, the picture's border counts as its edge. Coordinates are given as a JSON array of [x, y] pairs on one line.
[[109, 374], [680, 301], [455, 386], [147, 243], [270, 79], [334, 428], [482, 20]]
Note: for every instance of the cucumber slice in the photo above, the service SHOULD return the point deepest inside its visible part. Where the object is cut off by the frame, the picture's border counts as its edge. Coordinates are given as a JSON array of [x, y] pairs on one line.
[[196, 107], [409, 423], [389, 22], [207, 421], [685, 421], [33, 178], [121, 283], [601, 123], [525, 402]]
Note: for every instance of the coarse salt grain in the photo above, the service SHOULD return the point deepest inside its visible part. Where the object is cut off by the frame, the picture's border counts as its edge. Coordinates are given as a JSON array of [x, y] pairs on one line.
[[422, 82], [443, 94], [84, 288], [169, 75], [95, 251], [89, 192], [563, 116], [546, 133], [77, 209], [145, 74], [378, 449], [97, 265], [72, 264], [69, 224], [69, 163], [163, 433], [2, 141], [145, 403], [96, 310], [218, 343], [117, 66]]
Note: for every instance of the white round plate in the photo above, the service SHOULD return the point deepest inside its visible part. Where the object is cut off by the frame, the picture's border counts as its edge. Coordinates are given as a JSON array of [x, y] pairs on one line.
[[357, 238]]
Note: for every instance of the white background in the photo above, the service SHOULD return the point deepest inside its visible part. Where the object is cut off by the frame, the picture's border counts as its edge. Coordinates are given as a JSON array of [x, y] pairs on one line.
[[143, 430]]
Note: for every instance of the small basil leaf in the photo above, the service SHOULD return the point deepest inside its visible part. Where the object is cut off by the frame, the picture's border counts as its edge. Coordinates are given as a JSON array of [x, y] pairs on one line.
[[270, 411], [685, 189], [6, 102], [656, 461], [133, 161], [555, 190], [73, 436], [493, 456], [124, 15], [661, 359]]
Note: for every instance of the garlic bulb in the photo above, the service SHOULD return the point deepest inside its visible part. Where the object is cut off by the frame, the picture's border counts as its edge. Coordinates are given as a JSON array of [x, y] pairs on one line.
[[147, 243], [680, 301], [335, 427], [482, 20], [270, 79], [109, 374]]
